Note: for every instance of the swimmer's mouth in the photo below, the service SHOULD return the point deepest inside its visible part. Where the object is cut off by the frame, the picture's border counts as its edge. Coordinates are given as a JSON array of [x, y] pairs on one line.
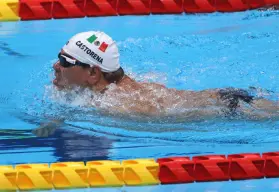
[[56, 79], [57, 75], [55, 82]]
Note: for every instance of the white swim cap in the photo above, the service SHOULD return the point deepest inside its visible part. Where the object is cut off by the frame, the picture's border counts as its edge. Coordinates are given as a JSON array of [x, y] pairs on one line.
[[94, 48]]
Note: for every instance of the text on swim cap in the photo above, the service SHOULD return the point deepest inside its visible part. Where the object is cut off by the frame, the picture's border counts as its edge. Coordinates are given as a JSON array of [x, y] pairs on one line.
[[89, 52]]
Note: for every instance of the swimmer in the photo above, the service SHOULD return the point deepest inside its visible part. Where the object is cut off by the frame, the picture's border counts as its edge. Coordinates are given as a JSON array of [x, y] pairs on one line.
[[90, 60]]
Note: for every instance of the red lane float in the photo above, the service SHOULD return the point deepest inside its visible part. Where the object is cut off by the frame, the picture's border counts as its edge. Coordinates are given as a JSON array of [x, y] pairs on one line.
[[271, 168], [35, 9], [231, 5], [100, 8], [218, 167], [199, 6], [176, 170], [254, 4], [68, 9], [48, 9], [166, 6], [211, 168], [134, 7], [246, 166], [271, 2]]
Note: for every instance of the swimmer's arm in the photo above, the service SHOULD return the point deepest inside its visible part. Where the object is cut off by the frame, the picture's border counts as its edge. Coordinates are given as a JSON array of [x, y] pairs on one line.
[[47, 129]]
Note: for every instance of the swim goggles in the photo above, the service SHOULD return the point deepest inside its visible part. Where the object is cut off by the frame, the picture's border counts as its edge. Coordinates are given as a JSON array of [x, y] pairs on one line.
[[68, 61]]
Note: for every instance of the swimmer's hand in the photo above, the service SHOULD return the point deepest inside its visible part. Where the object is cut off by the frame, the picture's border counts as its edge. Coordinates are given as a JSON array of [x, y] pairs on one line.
[[47, 129]]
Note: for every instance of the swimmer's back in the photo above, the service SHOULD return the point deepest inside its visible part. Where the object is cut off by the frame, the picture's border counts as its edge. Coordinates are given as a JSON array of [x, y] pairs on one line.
[[158, 100]]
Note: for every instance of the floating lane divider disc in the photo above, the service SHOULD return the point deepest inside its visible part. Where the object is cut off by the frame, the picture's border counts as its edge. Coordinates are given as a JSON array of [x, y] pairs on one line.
[[14, 10], [139, 172]]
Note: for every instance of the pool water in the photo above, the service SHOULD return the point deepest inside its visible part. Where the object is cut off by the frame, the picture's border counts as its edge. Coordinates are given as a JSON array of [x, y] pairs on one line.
[[192, 52]]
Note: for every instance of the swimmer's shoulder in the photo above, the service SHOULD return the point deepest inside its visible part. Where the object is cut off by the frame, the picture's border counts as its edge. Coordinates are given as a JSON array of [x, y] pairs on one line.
[[153, 85]]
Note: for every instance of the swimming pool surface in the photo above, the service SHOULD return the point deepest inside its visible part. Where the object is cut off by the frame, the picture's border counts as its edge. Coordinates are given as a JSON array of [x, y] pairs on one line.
[[181, 51]]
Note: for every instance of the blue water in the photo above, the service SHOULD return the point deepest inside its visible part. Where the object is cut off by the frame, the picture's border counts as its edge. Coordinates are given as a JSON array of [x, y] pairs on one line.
[[181, 51]]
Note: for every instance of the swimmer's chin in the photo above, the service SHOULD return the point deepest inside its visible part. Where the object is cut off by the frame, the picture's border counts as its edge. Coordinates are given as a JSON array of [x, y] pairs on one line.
[[55, 82], [61, 86]]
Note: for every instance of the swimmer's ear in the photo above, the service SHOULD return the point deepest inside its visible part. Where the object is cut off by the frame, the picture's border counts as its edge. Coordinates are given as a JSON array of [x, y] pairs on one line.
[[95, 75]]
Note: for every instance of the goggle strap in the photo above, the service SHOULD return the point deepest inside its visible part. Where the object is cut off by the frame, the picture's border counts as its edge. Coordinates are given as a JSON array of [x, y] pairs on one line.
[[72, 61]]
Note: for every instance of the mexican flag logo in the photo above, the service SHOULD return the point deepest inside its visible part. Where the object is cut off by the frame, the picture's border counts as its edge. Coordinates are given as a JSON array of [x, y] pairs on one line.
[[102, 47]]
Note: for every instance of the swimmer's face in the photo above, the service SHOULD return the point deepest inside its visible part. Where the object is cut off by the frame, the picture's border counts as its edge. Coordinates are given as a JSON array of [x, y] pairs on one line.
[[67, 77]]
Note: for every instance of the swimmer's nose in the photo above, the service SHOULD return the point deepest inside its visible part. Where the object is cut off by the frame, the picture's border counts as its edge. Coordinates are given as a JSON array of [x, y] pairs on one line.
[[56, 66]]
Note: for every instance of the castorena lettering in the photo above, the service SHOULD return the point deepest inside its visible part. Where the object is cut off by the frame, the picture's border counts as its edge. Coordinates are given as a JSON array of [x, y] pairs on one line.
[[89, 52]]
